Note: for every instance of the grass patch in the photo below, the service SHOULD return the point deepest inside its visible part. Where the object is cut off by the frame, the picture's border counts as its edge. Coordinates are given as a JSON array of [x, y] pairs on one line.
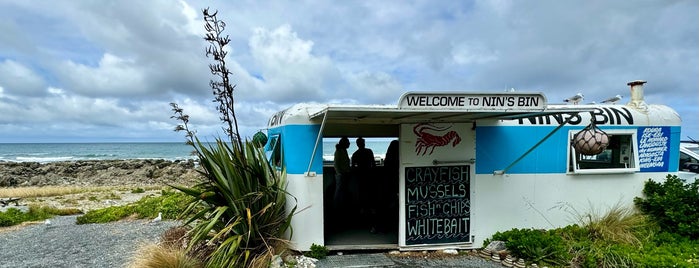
[[159, 256], [15, 216], [618, 237], [619, 225], [171, 204], [112, 196], [48, 191]]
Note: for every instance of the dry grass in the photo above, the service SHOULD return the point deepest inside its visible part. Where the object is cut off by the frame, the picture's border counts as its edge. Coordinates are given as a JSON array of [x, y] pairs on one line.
[[619, 224], [158, 256], [47, 191]]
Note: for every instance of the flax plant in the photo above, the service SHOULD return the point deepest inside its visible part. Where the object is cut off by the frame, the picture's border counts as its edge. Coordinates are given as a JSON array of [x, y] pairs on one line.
[[240, 205]]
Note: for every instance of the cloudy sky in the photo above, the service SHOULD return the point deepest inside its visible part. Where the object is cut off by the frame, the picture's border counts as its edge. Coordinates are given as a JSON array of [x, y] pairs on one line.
[[86, 71]]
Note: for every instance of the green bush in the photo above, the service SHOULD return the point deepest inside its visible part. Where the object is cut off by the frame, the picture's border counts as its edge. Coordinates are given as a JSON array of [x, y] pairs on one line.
[[170, 204], [15, 216], [317, 251], [12, 216], [673, 204], [138, 191], [104, 215], [665, 250], [537, 246]]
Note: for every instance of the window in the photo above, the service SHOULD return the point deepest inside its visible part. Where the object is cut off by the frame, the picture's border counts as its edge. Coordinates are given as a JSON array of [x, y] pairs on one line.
[[620, 156], [274, 151]]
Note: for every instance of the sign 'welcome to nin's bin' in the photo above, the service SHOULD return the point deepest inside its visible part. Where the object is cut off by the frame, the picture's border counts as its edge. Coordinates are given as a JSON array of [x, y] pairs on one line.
[[509, 101]]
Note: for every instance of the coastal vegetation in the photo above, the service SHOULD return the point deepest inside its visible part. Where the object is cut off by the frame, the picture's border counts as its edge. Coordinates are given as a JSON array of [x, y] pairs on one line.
[[659, 232], [238, 211], [14, 216], [169, 203], [47, 191]]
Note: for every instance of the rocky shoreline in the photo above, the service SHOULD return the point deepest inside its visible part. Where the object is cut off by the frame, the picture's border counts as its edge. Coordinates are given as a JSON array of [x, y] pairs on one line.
[[131, 172]]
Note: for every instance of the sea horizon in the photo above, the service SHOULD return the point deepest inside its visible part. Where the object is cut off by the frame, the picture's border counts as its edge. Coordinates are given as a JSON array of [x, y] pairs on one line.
[[45, 152]]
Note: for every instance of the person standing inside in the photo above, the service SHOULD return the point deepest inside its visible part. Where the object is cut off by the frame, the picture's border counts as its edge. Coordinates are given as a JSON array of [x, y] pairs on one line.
[[364, 166], [342, 173]]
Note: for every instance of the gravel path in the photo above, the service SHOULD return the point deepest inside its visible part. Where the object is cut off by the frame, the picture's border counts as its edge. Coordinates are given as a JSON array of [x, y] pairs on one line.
[[386, 260], [65, 244]]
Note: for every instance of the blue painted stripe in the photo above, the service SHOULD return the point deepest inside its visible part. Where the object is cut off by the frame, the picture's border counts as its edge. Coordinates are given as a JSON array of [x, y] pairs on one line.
[[499, 146], [297, 147]]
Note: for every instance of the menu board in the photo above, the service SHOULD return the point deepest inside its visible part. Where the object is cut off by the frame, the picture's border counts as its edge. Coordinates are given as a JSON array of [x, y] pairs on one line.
[[653, 148], [437, 204]]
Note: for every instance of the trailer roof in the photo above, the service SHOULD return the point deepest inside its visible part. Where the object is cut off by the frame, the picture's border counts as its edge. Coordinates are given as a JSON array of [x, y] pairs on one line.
[[383, 121], [394, 115]]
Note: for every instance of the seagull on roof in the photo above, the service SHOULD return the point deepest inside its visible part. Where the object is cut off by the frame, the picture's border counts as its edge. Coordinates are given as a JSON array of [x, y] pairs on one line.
[[575, 99], [612, 100]]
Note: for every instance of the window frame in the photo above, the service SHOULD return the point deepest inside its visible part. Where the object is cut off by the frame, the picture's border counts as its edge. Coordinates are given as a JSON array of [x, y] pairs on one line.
[[572, 161], [275, 149]]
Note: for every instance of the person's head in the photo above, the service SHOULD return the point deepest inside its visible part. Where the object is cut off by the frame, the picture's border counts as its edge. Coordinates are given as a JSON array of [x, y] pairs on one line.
[[393, 146], [360, 143], [344, 142]]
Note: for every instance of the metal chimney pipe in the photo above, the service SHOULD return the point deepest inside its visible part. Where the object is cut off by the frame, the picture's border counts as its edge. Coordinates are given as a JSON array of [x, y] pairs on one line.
[[637, 95]]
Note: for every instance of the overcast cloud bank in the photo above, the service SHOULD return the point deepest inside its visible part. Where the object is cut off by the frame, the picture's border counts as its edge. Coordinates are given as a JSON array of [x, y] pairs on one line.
[[78, 71]]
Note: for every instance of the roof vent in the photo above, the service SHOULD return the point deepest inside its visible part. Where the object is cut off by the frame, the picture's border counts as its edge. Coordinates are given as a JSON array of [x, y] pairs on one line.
[[637, 95]]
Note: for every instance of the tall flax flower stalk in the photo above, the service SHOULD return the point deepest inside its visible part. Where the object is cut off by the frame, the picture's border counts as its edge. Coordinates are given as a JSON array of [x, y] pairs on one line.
[[222, 87], [240, 206]]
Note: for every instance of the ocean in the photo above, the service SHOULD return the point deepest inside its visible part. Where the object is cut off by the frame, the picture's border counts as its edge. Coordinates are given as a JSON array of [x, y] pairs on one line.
[[53, 152], [377, 145]]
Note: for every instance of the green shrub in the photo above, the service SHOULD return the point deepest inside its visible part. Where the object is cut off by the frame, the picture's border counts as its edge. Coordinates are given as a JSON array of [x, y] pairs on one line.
[[138, 191], [15, 216], [11, 217], [673, 204], [317, 251], [537, 246], [170, 204], [665, 250], [108, 214]]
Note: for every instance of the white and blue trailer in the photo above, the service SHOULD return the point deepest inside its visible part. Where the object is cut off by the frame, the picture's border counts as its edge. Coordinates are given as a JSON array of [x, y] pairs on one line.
[[472, 164]]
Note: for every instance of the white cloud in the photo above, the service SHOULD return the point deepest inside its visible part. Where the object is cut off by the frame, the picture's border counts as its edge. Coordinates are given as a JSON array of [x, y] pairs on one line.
[[18, 79], [113, 76], [377, 88], [466, 54], [110, 68], [289, 70]]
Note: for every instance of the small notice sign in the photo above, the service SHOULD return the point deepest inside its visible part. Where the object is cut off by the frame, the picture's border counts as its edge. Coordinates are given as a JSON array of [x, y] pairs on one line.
[[653, 145], [437, 204], [510, 101]]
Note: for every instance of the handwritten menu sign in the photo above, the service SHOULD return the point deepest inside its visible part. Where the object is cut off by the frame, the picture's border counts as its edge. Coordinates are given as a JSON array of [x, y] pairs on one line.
[[652, 148], [437, 205]]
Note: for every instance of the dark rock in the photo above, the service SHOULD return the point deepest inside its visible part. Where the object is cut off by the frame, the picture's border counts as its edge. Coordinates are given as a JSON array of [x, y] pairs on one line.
[[98, 173]]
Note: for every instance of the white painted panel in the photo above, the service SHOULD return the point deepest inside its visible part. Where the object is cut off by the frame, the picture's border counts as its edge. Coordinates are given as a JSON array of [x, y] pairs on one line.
[[546, 201], [308, 222]]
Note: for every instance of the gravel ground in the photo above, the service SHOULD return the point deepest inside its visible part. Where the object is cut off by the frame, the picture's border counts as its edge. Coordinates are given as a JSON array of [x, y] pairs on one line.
[[65, 244], [387, 260]]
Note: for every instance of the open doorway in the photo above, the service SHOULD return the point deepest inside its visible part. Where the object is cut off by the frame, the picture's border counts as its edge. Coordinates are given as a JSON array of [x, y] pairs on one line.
[[361, 212]]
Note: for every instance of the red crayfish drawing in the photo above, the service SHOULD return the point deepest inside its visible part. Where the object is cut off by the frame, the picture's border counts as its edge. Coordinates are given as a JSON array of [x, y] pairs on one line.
[[427, 141]]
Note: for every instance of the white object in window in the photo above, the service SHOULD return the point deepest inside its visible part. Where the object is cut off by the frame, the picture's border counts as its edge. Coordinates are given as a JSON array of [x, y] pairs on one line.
[[620, 155]]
